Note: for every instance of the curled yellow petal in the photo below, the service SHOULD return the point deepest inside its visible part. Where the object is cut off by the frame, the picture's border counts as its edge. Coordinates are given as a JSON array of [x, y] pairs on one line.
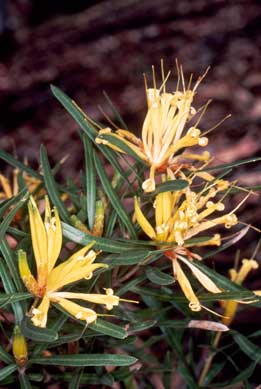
[[73, 270], [228, 220], [149, 184], [143, 222], [184, 283], [39, 314], [202, 278], [77, 310], [214, 241], [108, 299]]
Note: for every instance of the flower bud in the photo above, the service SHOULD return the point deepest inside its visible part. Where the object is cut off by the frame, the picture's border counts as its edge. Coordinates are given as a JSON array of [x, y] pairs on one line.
[[19, 347]]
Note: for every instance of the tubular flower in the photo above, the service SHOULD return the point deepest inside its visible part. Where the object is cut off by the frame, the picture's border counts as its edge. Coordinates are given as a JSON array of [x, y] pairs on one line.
[[180, 216], [164, 132], [19, 347], [47, 243], [230, 306], [10, 187], [98, 225]]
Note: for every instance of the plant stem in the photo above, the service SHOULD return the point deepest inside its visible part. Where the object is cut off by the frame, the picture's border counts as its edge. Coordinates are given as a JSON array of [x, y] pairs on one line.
[[209, 359]]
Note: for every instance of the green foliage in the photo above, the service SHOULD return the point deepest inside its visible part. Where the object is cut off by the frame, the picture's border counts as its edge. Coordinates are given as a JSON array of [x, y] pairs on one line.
[[101, 353]]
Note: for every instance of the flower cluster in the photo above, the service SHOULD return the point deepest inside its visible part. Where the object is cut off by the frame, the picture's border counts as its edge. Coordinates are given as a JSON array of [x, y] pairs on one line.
[[174, 221], [164, 132], [181, 215]]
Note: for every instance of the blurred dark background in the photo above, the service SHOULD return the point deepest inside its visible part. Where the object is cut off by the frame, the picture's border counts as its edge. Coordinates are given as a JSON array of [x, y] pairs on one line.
[[87, 47]]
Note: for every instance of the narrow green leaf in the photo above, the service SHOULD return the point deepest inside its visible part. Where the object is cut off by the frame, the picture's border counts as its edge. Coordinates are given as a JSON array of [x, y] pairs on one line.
[[110, 225], [86, 360], [255, 334], [141, 326], [186, 371], [14, 162], [107, 328], [154, 293], [4, 356], [113, 197], [174, 323], [55, 327], [249, 348], [215, 369], [8, 218], [102, 327], [75, 111], [242, 294], [90, 180], [80, 117], [232, 165], [115, 111], [142, 244], [36, 333], [6, 371], [13, 200], [131, 285], [88, 379], [11, 264], [108, 245], [122, 374], [10, 289], [200, 239], [76, 380], [245, 374], [158, 277], [17, 233], [174, 341], [220, 280], [52, 186], [6, 299], [239, 235], [72, 338], [131, 257], [169, 186], [24, 381], [253, 188]]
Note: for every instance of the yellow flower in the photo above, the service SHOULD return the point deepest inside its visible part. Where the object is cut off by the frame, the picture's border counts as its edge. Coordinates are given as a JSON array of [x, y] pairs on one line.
[[180, 216], [47, 243], [10, 187], [230, 306], [164, 132]]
